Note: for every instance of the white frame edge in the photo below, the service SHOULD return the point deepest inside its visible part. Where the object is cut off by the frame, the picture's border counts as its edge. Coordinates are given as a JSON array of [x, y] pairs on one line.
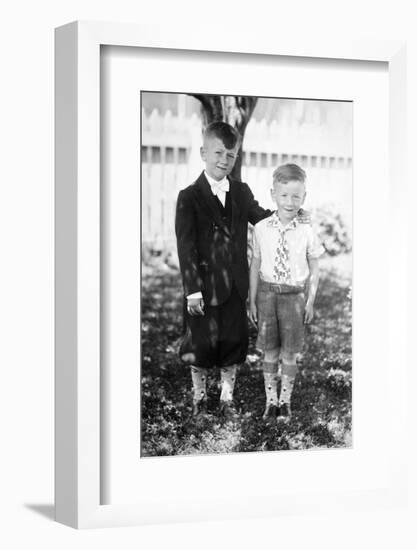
[[77, 250]]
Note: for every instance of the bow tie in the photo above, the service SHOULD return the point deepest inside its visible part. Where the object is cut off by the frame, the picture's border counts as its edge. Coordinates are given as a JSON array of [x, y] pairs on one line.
[[220, 187]]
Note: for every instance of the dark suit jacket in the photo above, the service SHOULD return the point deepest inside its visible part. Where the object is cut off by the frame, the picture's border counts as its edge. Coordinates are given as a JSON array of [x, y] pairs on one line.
[[211, 255]]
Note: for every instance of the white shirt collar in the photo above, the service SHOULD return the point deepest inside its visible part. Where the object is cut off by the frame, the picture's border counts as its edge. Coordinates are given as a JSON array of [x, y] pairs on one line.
[[213, 182], [274, 221]]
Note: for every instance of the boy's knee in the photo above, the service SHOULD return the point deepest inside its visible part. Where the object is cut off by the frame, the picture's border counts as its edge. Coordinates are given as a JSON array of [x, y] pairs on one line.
[[272, 355], [289, 364], [288, 357]]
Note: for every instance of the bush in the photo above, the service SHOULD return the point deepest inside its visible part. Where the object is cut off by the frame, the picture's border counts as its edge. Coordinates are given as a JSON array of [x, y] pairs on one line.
[[332, 230]]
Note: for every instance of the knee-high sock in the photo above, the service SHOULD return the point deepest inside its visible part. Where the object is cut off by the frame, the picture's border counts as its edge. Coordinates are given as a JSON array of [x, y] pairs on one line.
[[199, 378], [271, 382], [289, 372], [227, 378]]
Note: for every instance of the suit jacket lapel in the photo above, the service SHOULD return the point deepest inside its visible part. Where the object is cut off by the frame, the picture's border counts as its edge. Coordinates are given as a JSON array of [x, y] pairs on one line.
[[207, 199], [235, 202]]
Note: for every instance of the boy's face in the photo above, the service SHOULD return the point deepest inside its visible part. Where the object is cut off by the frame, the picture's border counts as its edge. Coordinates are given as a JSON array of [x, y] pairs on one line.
[[289, 197], [219, 161]]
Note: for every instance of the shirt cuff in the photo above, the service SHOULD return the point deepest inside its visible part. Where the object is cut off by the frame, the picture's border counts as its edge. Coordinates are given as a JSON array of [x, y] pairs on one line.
[[195, 295], [314, 254]]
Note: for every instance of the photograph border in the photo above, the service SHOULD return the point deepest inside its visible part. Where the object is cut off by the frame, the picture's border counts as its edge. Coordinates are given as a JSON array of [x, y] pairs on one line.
[[77, 250]]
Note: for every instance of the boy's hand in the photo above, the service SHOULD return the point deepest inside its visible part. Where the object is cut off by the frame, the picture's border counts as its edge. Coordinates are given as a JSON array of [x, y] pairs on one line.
[[309, 312], [303, 216], [253, 314], [195, 306]]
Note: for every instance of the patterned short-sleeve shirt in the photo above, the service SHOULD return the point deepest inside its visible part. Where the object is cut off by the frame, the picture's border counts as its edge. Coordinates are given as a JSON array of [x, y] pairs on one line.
[[303, 243]]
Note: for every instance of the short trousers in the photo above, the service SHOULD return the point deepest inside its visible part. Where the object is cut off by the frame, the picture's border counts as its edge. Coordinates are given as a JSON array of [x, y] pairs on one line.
[[280, 318], [219, 337]]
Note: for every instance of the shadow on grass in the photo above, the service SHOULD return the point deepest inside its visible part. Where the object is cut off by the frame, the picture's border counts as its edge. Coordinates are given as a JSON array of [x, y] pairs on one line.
[[321, 400]]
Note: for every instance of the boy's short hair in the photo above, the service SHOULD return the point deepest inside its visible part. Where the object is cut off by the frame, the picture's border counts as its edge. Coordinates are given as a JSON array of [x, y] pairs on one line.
[[221, 130], [289, 172]]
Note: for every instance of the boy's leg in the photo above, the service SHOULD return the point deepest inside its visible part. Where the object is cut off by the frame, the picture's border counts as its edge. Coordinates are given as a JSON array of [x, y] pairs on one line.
[[198, 349], [232, 347], [270, 370], [288, 374], [268, 339], [199, 380], [291, 319]]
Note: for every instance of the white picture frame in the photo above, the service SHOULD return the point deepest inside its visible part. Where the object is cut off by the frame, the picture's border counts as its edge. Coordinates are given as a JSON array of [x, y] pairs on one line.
[[77, 242]]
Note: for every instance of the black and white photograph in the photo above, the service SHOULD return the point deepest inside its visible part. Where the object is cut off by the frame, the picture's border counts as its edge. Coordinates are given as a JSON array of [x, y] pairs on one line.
[[246, 275]]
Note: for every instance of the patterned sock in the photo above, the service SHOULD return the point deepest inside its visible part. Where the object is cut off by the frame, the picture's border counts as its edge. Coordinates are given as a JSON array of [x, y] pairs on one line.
[[289, 372], [227, 378], [271, 382], [199, 378]]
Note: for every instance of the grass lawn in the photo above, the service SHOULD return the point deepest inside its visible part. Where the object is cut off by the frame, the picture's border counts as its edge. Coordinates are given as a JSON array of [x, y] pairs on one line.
[[322, 395]]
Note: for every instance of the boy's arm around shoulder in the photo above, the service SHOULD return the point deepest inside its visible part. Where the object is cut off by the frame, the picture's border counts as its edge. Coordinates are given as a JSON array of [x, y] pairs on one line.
[[303, 216], [186, 233], [255, 212]]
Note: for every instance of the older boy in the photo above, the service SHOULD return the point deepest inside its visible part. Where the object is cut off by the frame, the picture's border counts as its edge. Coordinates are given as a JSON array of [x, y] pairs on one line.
[[211, 227], [284, 267]]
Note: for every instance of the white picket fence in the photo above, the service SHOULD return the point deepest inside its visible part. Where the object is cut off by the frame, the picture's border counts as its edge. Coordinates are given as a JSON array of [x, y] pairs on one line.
[[170, 160]]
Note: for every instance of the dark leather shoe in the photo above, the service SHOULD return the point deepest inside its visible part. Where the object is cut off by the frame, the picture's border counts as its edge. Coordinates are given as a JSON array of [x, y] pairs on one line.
[[200, 408], [228, 411], [284, 412], [271, 413]]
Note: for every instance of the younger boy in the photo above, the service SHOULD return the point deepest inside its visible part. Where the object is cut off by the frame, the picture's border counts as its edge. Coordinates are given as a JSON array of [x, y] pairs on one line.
[[284, 269]]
